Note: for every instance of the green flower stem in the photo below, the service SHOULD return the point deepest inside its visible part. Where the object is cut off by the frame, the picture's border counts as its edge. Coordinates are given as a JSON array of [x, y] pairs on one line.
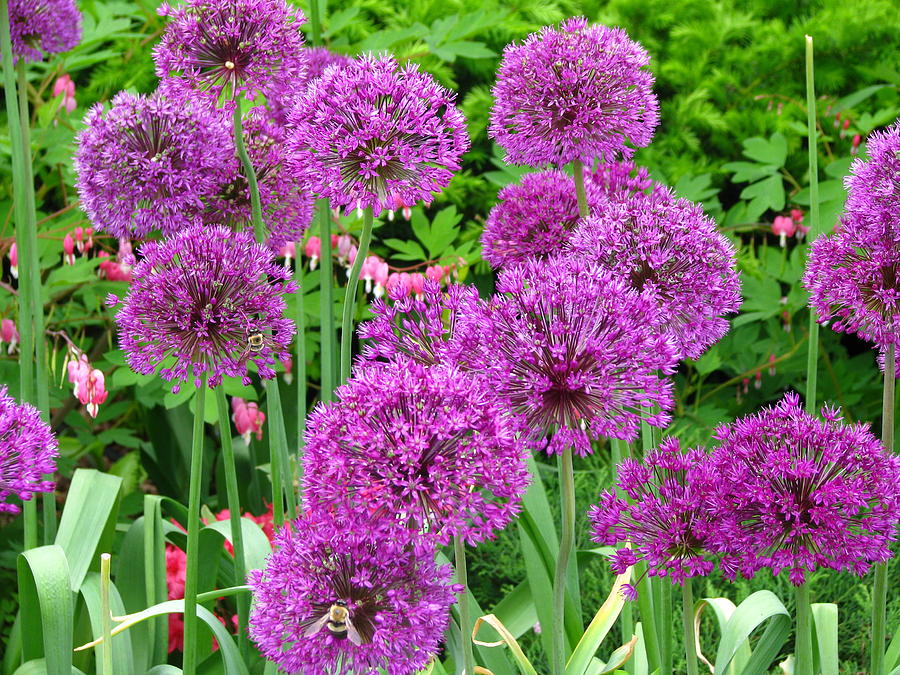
[[687, 619], [803, 652], [566, 547], [326, 302], [234, 516], [648, 618], [663, 590], [105, 616], [814, 227], [581, 196], [315, 23], [301, 350], [275, 467], [879, 592], [618, 451], [465, 613], [278, 437], [193, 536], [350, 296], [259, 228]]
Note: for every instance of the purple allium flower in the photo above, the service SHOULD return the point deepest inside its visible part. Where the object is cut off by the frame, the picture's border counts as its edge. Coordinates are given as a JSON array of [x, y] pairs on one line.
[[669, 249], [853, 275], [149, 163], [287, 206], [573, 93], [667, 520], [38, 26], [233, 47], [396, 597], [535, 218], [430, 445], [28, 450], [796, 493], [203, 303], [435, 328], [568, 344], [377, 134], [320, 59]]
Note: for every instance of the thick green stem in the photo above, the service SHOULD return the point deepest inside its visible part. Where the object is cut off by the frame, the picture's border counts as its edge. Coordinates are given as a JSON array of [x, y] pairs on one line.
[[803, 651], [234, 517], [326, 306], [275, 467], [580, 194], [566, 547], [687, 620], [105, 616], [350, 295], [315, 23], [465, 614], [301, 353], [812, 360], [259, 229], [879, 591], [618, 451], [193, 536], [648, 616], [664, 623], [278, 435]]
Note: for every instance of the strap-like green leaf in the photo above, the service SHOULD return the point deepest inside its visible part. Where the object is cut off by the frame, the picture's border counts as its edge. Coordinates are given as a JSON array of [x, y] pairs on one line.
[[762, 607], [164, 669], [88, 521], [256, 544], [825, 637], [45, 601], [722, 609], [599, 628], [39, 667]]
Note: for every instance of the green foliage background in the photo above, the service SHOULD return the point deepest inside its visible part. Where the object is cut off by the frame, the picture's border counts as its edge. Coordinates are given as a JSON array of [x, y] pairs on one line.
[[730, 82]]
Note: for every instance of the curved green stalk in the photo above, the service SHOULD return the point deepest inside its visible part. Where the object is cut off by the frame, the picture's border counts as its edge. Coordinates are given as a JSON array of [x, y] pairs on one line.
[[814, 230], [259, 229], [465, 613], [105, 616], [803, 650], [879, 591], [580, 194], [193, 536], [566, 547], [350, 295], [315, 23], [301, 352], [278, 449], [234, 516], [687, 621], [326, 302]]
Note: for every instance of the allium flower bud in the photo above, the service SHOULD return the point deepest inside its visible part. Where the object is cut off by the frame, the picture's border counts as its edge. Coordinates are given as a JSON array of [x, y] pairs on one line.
[[380, 578], [373, 132], [203, 304], [28, 450], [667, 519], [574, 93], [432, 447], [39, 26], [797, 493], [232, 48], [569, 345], [149, 163], [667, 249]]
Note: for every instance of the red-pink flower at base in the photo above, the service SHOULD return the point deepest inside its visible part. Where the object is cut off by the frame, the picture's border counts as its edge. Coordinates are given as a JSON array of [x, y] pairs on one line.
[[248, 418]]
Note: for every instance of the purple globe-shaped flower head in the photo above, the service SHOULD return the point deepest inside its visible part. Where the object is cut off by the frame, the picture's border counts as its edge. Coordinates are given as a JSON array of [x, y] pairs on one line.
[[150, 162], [286, 204], [376, 134], [28, 450], [569, 345], [379, 578], [203, 304], [666, 518], [320, 59], [232, 48], [431, 446], [670, 250], [797, 493], [853, 275], [43, 26], [573, 93], [535, 217], [436, 328]]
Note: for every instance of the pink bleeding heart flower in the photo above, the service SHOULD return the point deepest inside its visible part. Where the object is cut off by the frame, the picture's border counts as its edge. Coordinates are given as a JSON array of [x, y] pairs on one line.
[[8, 333], [69, 249], [784, 227], [248, 418]]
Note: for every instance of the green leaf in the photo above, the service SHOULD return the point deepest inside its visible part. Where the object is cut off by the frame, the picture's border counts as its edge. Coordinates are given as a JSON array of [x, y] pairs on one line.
[[857, 97], [772, 151], [45, 602], [39, 667], [722, 609], [762, 607], [766, 194], [746, 172], [123, 659], [88, 521], [516, 610], [825, 637], [165, 669], [599, 628], [256, 545]]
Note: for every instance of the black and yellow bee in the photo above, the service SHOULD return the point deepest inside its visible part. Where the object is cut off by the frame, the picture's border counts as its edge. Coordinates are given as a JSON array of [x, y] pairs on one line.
[[337, 621]]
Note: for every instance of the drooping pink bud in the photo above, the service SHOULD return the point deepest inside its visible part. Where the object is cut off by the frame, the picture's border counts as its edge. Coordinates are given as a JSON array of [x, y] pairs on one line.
[[417, 283], [344, 244], [797, 215], [89, 383], [771, 364], [398, 284], [784, 227], [854, 146], [89, 238], [313, 250], [79, 239], [125, 254], [288, 251], [382, 272], [69, 249], [8, 333], [435, 273], [248, 418], [64, 85], [368, 270], [288, 364], [14, 261], [112, 270], [757, 380]]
